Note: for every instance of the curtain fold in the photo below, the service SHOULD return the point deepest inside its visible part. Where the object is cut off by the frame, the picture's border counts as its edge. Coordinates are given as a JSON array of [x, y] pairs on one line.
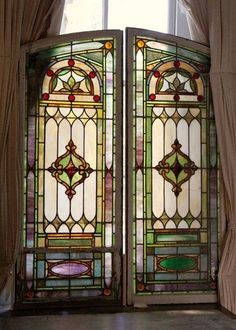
[[221, 31], [198, 23], [20, 21]]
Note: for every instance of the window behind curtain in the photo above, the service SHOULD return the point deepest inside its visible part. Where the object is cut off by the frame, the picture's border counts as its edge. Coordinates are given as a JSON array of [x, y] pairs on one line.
[[158, 15]]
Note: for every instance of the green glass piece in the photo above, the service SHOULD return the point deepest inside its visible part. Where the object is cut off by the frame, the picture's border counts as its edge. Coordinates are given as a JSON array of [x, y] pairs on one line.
[[150, 238], [97, 268], [57, 283], [171, 159], [160, 84], [150, 263], [189, 250], [64, 161], [165, 250], [95, 57], [54, 83], [63, 72], [71, 81], [76, 178], [66, 86], [81, 282], [194, 56], [41, 269], [176, 237], [64, 177], [78, 73], [178, 263], [87, 83], [154, 55], [166, 277], [69, 242], [98, 228]]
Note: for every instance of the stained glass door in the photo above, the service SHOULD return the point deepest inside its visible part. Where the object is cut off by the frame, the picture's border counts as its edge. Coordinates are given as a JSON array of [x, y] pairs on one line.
[[172, 171], [72, 242], [73, 151]]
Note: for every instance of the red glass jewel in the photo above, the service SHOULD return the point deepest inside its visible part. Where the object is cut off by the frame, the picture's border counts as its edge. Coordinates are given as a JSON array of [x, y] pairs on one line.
[[176, 97], [200, 98], [50, 73], [152, 97], [176, 64], [71, 98], [107, 292], [92, 74], [157, 74], [96, 98], [196, 75], [45, 96], [71, 62], [140, 287], [29, 294]]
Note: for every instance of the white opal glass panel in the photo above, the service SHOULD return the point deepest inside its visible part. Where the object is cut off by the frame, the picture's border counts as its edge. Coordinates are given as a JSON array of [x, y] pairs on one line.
[[195, 194], [63, 203], [64, 136], [50, 196], [170, 135], [195, 142], [90, 149], [50, 142]]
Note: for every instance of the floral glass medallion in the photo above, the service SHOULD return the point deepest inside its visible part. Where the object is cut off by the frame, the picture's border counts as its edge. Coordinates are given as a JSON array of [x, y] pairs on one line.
[[176, 167], [70, 169]]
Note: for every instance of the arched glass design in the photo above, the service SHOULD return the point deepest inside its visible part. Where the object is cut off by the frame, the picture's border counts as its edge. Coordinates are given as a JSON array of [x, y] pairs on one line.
[[172, 198], [72, 183], [72, 246]]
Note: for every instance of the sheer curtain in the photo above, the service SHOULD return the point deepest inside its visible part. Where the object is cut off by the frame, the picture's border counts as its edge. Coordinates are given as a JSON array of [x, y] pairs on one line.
[[214, 21], [21, 21]]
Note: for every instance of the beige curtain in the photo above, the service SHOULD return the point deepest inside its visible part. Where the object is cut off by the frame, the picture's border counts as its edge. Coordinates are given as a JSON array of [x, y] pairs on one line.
[[20, 21], [215, 21], [197, 22]]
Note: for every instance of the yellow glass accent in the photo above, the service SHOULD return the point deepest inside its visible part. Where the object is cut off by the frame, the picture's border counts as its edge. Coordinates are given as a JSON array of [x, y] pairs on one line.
[[203, 237], [99, 203], [108, 45], [41, 183], [40, 208], [41, 153], [204, 223], [41, 129], [140, 43], [99, 113], [41, 242]]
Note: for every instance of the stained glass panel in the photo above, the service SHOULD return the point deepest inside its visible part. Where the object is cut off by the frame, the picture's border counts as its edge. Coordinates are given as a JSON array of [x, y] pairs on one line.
[[174, 177], [73, 176], [72, 185]]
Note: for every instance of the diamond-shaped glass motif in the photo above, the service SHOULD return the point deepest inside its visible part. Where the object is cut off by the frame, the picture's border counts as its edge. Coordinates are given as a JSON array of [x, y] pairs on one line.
[[70, 169], [176, 167]]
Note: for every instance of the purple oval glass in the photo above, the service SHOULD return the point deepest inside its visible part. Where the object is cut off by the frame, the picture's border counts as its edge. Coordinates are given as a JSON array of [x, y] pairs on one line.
[[69, 269]]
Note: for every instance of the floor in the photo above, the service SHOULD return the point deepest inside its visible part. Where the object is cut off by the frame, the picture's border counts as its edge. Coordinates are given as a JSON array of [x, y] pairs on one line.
[[194, 319]]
